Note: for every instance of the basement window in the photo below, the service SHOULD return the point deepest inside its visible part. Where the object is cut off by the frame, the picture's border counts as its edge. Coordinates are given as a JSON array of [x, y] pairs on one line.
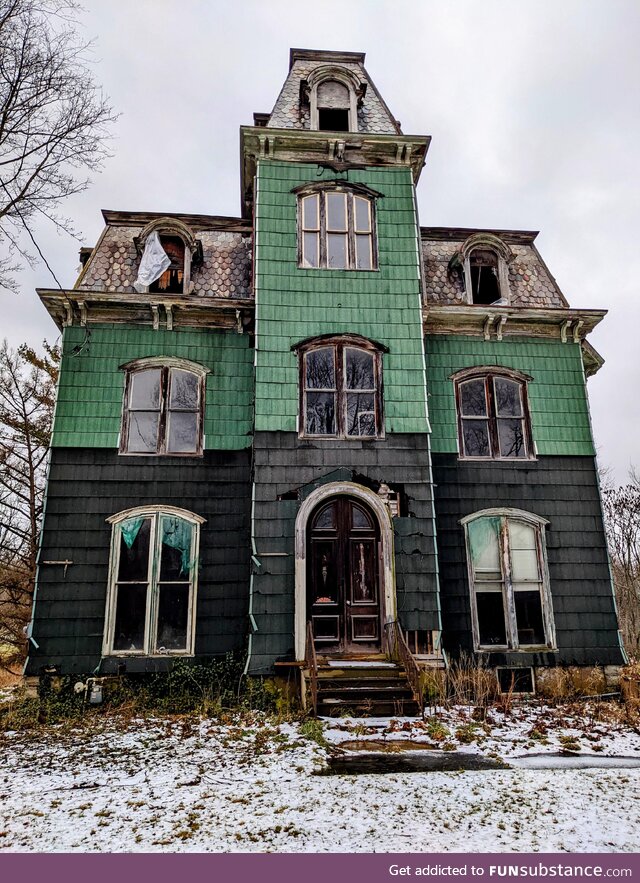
[[510, 593], [152, 587], [163, 408]]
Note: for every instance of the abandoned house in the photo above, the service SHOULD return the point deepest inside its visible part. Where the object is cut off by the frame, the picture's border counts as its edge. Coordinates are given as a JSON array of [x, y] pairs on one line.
[[321, 433]]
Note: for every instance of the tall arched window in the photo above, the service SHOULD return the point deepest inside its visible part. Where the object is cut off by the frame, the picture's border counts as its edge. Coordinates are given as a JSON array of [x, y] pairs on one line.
[[163, 409], [493, 414], [509, 581], [169, 253], [153, 582], [340, 388], [336, 227]]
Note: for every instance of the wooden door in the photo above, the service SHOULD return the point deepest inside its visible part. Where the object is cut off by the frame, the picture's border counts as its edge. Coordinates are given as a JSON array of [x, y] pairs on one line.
[[342, 577]]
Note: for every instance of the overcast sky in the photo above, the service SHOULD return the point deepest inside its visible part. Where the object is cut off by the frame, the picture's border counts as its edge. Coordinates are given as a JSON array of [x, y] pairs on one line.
[[533, 109]]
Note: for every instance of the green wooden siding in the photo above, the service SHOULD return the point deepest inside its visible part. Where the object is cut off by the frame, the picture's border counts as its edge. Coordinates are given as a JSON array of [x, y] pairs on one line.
[[557, 393], [89, 407], [295, 303]]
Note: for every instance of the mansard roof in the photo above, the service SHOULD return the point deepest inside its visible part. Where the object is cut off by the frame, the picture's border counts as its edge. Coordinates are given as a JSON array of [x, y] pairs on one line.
[[291, 111]]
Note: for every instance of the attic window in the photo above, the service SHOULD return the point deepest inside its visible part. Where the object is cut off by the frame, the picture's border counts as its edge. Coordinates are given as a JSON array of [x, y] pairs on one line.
[[485, 285], [172, 279], [333, 97]]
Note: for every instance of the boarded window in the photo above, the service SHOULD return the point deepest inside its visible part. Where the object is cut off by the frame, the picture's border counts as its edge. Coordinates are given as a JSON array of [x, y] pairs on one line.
[[163, 411], [333, 103], [154, 562], [493, 420], [336, 231], [340, 391], [511, 598]]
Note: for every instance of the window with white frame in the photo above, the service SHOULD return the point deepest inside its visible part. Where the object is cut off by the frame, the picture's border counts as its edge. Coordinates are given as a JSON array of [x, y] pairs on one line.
[[340, 385], [510, 592], [336, 230], [153, 582], [163, 407]]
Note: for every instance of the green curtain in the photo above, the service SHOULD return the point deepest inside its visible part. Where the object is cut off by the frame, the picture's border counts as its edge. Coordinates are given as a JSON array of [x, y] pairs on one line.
[[129, 530], [176, 533]]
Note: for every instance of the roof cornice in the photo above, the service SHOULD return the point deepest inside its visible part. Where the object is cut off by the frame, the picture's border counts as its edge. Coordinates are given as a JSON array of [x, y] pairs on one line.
[[443, 234], [197, 222], [325, 55]]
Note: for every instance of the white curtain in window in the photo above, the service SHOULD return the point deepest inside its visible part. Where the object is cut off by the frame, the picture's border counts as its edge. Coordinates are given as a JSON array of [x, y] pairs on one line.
[[153, 263]]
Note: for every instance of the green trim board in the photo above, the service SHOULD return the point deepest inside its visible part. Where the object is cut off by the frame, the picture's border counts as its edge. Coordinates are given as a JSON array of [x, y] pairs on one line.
[[294, 303], [89, 405], [557, 393]]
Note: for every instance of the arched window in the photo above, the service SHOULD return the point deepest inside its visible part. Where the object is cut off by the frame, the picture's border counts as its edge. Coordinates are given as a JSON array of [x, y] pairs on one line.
[[334, 94], [169, 253], [493, 414], [336, 228], [163, 407], [340, 388], [484, 258], [153, 582], [334, 105], [509, 581]]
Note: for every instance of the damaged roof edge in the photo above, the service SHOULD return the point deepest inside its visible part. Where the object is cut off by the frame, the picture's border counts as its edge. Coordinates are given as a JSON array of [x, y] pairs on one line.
[[199, 222], [453, 233]]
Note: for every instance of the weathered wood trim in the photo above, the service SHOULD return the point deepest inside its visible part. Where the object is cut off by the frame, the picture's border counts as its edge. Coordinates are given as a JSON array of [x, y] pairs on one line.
[[387, 561], [474, 319]]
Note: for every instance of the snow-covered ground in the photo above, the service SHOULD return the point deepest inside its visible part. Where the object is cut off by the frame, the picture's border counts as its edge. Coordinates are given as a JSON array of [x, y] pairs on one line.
[[249, 785]]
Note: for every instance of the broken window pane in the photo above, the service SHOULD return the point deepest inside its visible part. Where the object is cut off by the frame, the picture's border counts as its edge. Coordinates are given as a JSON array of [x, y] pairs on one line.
[[491, 620], [142, 436], [484, 276], [134, 550], [131, 609], [173, 613], [475, 438], [144, 394], [326, 518], [320, 413], [336, 251], [473, 399], [320, 369], [529, 618], [185, 388], [333, 119], [175, 553], [171, 281], [359, 373], [324, 572]]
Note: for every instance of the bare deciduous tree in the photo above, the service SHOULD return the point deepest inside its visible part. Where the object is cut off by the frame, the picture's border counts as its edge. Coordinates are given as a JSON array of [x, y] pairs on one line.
[[27, 395], [53, 121], [622, 519]]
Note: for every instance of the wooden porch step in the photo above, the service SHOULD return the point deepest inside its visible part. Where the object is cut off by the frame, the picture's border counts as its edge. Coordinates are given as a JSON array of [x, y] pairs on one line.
[[369, 707]]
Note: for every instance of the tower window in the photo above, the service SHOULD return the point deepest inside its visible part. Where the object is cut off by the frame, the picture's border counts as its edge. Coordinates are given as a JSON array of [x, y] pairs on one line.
[[336, 231]]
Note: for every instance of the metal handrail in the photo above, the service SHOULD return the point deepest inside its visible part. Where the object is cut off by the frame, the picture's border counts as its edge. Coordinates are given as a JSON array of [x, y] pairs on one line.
[[398, 649], [311, 664]]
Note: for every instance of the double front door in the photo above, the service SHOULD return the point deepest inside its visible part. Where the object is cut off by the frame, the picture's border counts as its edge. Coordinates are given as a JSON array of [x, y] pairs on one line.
[[342, 577]]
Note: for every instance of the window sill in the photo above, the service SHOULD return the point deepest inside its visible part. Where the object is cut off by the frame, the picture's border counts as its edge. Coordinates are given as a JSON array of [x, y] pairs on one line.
[[341, 269], [523, 460], [134, 654], [529, 648], [148, 454]]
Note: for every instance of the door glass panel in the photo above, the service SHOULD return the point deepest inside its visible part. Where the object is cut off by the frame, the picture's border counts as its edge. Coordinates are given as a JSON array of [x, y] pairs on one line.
[[173, 611], [359, 518], [484, 547], [475, 438], [491, 622], [529, 615], [508, 401], [142, 435], [359, 369], [320, 369], [324, 572], [320, 414], [326, 518], [144, 394], [473, 400], [131, 608], [363, 589], [185, 387]]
